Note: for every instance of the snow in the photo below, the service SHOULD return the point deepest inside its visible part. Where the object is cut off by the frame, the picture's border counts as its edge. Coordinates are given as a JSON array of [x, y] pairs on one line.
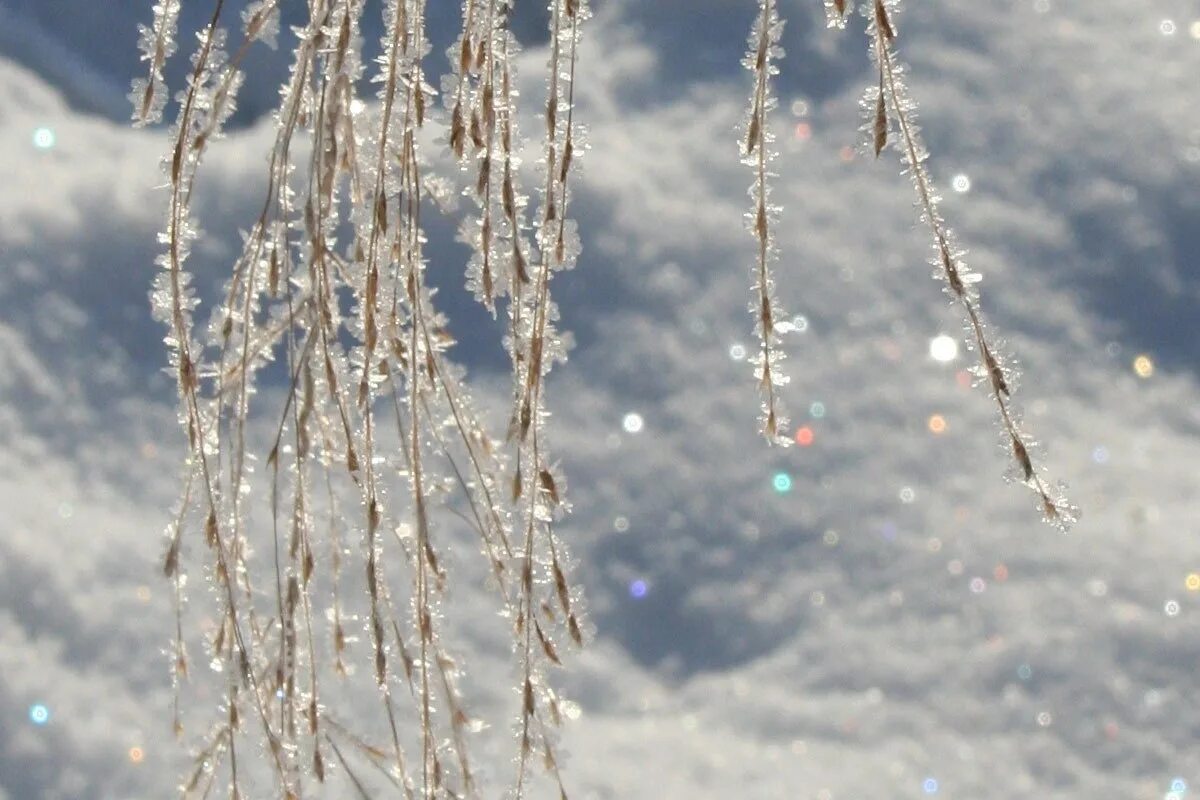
[[823, 642]]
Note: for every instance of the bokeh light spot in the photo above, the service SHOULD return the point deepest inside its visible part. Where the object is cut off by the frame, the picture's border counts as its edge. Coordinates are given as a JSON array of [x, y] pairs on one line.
[[782, 482], [633, 422], [1192, 582], [136, 755], [39, 714], [937, 424], [44, 138], [804, 436], [638, 589], [930, 786], [943, 348], [961, 183], [1143, 366]]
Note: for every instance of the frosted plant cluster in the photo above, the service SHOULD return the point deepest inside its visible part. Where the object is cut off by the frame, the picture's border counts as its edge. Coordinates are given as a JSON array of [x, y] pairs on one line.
[[890, 119], [321, 549], [378, 429]]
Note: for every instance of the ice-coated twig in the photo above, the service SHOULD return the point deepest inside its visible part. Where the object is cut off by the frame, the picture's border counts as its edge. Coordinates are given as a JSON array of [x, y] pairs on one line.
[[889, 105], [764, 51]]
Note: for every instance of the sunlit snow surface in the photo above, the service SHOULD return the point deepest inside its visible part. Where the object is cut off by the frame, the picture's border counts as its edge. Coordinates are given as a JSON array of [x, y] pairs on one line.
[[871, 614]]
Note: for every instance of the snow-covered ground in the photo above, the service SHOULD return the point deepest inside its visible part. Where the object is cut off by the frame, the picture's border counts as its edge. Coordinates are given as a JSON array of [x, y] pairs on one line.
[[889, 621]]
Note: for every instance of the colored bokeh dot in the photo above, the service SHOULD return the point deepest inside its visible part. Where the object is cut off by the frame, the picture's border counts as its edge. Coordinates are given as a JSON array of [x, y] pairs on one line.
[[804, 436], [638, 589], [782, 482], [1179, 785], [136, 755], [1143, 366], [44, 138], [1024, 672], [930, 786], [1192, 582], [937, 424], [39, 714], [816, 410], [1000, 573]]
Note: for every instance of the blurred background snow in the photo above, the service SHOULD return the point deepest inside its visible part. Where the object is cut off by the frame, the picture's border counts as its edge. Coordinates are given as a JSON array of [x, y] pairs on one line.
[[872, 614]]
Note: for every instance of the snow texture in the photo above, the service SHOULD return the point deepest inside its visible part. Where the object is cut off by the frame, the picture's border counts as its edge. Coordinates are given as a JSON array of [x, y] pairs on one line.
[[890, 621]]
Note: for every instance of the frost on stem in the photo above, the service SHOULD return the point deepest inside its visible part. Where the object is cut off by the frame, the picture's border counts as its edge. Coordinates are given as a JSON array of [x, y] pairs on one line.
[[757, 153], [375, 439], [890, 110], [836, 12], [538, 487], [156, 43]]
